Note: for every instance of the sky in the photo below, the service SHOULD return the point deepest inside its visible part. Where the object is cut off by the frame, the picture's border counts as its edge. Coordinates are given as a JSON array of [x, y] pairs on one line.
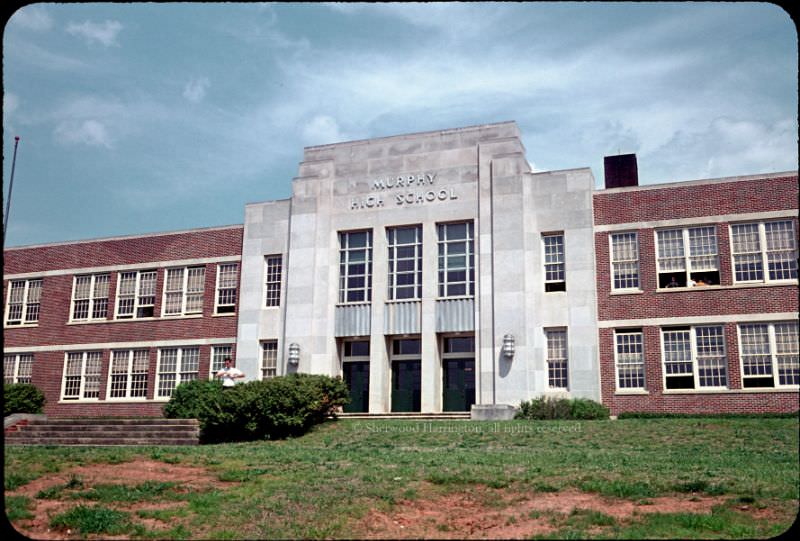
[[140, 118]]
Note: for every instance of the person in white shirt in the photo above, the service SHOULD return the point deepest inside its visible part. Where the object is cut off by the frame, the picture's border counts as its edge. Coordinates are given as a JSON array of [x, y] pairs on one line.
[[229, 374]]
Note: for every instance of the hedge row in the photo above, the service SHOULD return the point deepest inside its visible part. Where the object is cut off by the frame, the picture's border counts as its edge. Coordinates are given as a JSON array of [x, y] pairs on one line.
[[22, 398], [561, 408]]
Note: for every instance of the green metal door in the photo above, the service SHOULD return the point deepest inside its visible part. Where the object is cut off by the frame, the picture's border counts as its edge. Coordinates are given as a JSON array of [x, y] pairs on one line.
[[356, 376], [459, 384], [406, 385]]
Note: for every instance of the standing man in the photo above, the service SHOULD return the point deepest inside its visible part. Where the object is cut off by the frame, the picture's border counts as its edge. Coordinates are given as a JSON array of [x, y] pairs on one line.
[[229, 373]]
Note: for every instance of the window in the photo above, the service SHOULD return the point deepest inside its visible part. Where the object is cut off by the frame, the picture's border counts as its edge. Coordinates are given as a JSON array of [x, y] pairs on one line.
[[176, 366], [274, 264], [758, 246], [227, 280], [625, 260], [269, 359], [556, 358], [22, 307], [127, 376], [218, 356], [183, 291], [90, 297], [456, 259], [136, 294], [629, 359], [355, 266], [769, 354], [687, 253], [554, 279], [17, 368], [405, 262], [694, 357], [82, 375]]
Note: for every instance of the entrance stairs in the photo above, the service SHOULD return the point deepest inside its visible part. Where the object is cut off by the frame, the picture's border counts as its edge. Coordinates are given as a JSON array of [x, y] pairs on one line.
[[39, 430], [408, 416]]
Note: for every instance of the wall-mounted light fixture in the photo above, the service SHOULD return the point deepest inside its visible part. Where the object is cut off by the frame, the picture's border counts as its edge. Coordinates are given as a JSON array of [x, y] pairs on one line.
[[508, 346], [294, 353]]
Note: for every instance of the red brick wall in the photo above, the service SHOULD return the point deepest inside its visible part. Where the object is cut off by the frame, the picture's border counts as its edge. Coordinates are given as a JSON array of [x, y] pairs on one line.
[[53, 327]]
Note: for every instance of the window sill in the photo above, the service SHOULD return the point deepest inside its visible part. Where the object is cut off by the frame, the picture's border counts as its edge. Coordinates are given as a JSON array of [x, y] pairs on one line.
[[226, 314], [627, 292], [731, 391], [641, 392], [456, 298], [166, 317], [127, 400], [399, 301], [23, 326], [721, 287]]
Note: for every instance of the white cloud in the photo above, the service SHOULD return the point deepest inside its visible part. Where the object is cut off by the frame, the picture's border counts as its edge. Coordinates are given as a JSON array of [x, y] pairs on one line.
[[32, 17], [105, 32], [10, 105], [322, 129], [34, 55], [195, 90], [89, 132]]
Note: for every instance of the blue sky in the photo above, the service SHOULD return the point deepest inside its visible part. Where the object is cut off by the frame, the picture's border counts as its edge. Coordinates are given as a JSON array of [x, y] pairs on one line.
[[138, 118]]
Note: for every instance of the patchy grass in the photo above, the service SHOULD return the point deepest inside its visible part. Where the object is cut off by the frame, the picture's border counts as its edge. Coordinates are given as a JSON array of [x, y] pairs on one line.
[[92, 519]]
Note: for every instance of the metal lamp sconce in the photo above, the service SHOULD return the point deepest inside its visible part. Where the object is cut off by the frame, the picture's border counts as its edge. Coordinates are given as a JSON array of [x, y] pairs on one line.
[[294, 353], [508, 346]]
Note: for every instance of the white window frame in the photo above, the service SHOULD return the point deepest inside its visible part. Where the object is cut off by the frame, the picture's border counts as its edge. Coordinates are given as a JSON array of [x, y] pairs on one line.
[[392, 246], [218, 355], [137, 296], [772, 354], [92, 298], [553, 260], [16, 361], [557, 341], [224, 287], [273, 276], [185, 293], [179, 372], [30, 287], [632, 359], [615, 263], [269, 359], [83, 357], [443, 265], [129, 358], [345, 266], [686, 257], [762, 253], [695, 358]]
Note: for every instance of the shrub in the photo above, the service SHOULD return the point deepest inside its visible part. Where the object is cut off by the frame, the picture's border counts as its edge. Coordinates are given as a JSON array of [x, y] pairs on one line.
[[270, 409], [22, 398], [561, 408]]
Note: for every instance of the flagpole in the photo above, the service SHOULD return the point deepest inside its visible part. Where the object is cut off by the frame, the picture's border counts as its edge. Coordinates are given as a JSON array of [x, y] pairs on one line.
[[10, 187]]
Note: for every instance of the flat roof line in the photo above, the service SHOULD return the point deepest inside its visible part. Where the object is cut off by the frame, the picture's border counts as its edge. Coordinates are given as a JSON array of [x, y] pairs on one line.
[[696, 182]]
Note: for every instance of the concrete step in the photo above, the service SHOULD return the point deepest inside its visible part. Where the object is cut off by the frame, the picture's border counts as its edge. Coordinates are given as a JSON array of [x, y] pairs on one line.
[[410, 416], [101, 441], [103, 431]]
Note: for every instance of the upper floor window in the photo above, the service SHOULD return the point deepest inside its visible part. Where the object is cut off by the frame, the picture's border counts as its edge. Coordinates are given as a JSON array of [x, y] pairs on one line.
[[227, 281], [90, 297], [770, 354], [694, 357], [17, 368], [274, 271], [687, 257], [456, 259], [764, 252], [82, 375], [625, 260], [127, 375], [269, 359], [405, 262], [176, 366], [629, 359], [355, 266], [554, 278], [556, 358], [22, 306], [136, 294], [183, 291]]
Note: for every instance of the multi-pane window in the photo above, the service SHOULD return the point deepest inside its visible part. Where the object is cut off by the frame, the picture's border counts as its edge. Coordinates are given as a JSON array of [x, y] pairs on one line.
[[274, 270], [355, 266], [687, 254], [269, 359], [769, 353], [82, 375], [127, 375], [456, 259], [90, 297], [769, 246], [405, 262], [22, 307], [183, 291], [227, 280], [554, 278], [218, 356], [630, 359], [136, 294], [176, 366], [625, 260], [556, 358], [695, 357], [17, 368]]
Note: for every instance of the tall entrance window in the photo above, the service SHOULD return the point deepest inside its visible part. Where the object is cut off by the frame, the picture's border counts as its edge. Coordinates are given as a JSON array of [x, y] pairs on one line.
[[458, 363], [405, 262], [355, 371], [355, 266], [406, 375], [456, 259]]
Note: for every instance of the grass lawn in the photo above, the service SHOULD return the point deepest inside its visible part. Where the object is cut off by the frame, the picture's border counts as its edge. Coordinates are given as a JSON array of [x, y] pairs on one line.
[[636, 478]]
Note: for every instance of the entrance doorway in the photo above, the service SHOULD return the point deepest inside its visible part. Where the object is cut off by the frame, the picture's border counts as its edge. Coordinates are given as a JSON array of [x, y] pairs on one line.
[[458, 360], [406, 375], [355, 371]]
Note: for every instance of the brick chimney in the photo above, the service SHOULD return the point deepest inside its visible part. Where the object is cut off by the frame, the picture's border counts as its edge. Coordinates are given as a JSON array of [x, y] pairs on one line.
[[621, 170]]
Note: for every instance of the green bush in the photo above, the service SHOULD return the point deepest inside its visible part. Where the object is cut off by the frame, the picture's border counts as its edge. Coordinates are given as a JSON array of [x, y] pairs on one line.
[[22, 398], [270, 409], [561, 408]]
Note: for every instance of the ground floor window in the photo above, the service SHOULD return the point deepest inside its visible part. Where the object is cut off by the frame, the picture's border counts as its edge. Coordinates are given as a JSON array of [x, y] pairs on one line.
[[269, 359], [218, 356], [694, 357], [556, 358], [769, 354], [176, 366], [82, 375], [629, 358], [127, 376], [17, 368]]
